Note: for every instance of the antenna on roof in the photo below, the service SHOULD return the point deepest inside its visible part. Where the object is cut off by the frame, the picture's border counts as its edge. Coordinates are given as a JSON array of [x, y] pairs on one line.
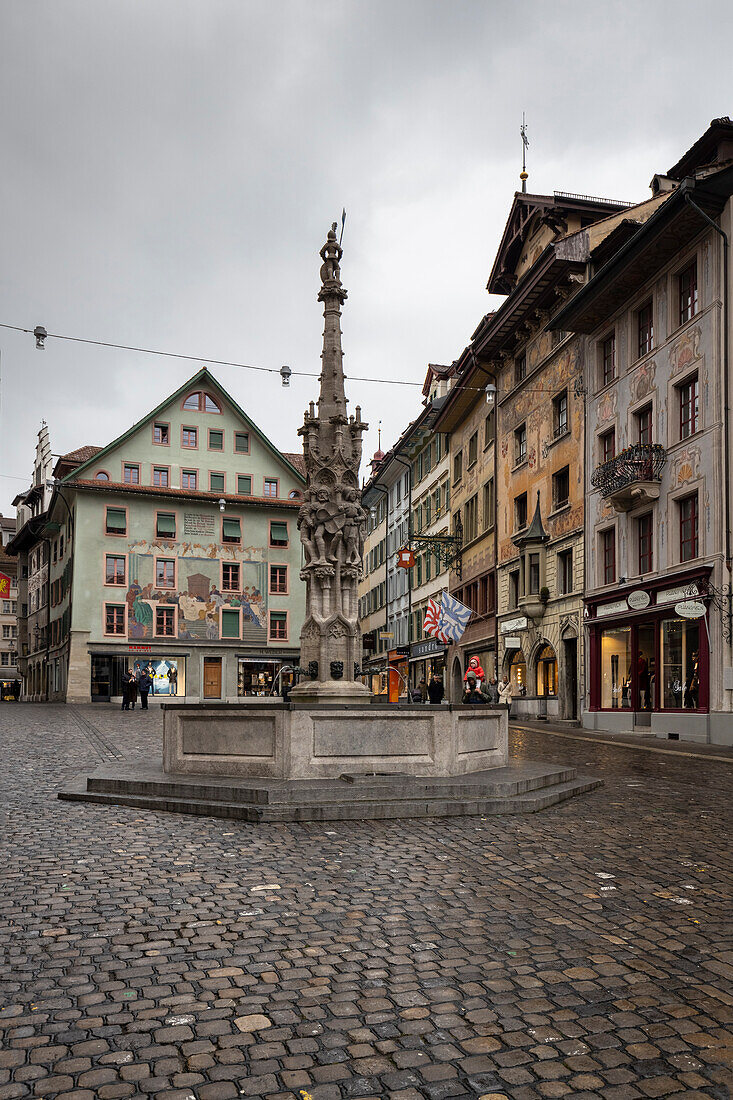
[[525, 144]]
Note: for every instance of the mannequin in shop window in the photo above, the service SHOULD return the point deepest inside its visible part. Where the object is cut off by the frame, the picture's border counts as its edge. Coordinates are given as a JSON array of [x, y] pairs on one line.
[[692, 685]]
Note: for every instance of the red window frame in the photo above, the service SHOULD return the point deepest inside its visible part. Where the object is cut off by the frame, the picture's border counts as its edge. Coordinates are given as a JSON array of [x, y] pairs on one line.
[[165, 577], [115, 558], [689, 528], [186, 476], [162, 476], [688, 301], [114, 619], [278, 626], [278, 580], [165, 622], [689, 392], [133, 468], [187, 434], [230, 576], [645, 535], [268, 481], [161, 434], [608, 555]]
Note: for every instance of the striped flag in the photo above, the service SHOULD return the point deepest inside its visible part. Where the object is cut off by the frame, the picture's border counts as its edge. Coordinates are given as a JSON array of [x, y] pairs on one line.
[[432, 621], [454, 617]]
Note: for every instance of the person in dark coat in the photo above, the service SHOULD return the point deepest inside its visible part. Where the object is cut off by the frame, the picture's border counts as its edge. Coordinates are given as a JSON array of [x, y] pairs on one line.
[[472, 694], [129, 692], [144, 685], [436, 691]]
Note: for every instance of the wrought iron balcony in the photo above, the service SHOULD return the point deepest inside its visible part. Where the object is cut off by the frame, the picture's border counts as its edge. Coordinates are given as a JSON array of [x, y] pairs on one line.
[[632, 477]]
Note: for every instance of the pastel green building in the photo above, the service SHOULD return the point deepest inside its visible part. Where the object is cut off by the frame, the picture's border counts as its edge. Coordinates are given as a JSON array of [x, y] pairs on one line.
[[175, 548]]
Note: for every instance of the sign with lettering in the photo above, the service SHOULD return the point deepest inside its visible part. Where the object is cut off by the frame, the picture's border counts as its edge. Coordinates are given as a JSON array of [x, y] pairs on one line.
[[425, 649], [141, 649], [616, 608], [690, 609], [199, 523], [514, 624], [638, 600], [513, 643], [673, 595]]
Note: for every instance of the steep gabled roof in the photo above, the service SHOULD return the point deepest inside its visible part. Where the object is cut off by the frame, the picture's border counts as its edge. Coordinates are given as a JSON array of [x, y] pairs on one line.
[[202, 377], [714, 146]]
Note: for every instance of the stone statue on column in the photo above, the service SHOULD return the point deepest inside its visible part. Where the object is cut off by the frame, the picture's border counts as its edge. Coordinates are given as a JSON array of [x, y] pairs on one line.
[[331, 519]]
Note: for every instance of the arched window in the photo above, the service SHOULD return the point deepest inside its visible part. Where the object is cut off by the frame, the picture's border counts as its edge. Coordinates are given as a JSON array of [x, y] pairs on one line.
[[294, 494], [198, 401], [547, 671], [518, 673], [101, 475]]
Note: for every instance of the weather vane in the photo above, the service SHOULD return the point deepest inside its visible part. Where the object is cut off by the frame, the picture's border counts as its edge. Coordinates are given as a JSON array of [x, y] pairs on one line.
[[525, 145]]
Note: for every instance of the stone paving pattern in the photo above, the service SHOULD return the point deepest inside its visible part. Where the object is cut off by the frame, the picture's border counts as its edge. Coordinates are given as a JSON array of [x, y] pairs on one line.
[[584, 951]]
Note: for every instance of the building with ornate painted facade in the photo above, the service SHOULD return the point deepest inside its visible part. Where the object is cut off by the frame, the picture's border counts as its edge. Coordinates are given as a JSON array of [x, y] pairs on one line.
[[655, 319]]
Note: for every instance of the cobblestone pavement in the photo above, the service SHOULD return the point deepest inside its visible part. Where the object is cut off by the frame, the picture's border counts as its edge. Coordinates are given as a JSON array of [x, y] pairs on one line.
[[584, 951]]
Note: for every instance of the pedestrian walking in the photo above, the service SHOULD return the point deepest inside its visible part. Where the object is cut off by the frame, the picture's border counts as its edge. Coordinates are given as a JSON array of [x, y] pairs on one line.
[[144, 685], [505, 693], [423, 689], [436, 691], [491, 690]]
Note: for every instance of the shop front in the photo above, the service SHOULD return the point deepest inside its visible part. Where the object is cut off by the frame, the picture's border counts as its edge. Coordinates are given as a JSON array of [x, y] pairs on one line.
[[427, 659], [399, 670], [649, 661], [260, 676], [530, 666], [109, 669]]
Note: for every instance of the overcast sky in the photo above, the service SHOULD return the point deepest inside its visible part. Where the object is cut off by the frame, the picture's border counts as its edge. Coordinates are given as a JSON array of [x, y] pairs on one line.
[[170, 169]]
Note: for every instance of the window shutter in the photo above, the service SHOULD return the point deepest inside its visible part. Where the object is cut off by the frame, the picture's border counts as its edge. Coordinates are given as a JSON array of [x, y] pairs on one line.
[[230, 624], [231, 529], [278, 532], [166, 524], [116, 519]]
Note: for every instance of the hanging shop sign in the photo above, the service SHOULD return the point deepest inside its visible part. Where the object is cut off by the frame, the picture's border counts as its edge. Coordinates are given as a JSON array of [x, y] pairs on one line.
[[638, 600], [690, 609], [386, 635], [405, 559]]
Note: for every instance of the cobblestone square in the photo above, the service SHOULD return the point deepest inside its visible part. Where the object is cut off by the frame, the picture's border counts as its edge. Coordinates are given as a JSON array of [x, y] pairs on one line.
[[585, 951]]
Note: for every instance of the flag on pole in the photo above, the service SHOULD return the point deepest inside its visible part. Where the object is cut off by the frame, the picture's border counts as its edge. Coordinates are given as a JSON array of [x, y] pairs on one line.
[[432, 621], [5, 584], [454, 617]]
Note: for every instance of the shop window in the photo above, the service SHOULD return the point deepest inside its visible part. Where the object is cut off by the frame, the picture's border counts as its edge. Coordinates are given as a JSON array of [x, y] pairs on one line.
[[189, 479], [520, 512], [278, 579], [189, 437], [608, 556], [689, 542], [473, 450], [643, 420], [645, 329], [244, 485], [608, 359], [680, 664], [616, 668], [547, 672], [278, 534], [270, 487], [229, 624], [241, 443], [114, 618], [279, 626], [114, 570], [161, 434], [561, 487], [165, 525], [607, 446], [645, 544], [560, 414], [230, 576], [116, 521], [565, 572], [216, 439], [160, 476], [687, 287], [520, 444], [231, 530], [518, 673], [216, 483], [689, 402], [131, 473], [165, 622], [165, 573]]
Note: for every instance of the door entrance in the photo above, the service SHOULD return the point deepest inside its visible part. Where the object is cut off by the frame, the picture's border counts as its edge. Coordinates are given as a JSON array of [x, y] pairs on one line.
[[571, 678], [212, 677]]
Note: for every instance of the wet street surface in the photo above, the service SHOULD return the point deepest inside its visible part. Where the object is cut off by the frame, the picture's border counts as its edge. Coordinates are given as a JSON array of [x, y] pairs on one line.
[[584, 951]]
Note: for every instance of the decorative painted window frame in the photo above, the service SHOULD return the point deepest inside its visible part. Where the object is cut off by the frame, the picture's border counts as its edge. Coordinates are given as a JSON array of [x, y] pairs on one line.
[[113, 584]]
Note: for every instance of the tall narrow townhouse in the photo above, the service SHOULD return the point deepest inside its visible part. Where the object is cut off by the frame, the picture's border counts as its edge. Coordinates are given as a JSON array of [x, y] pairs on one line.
[[656, 314]]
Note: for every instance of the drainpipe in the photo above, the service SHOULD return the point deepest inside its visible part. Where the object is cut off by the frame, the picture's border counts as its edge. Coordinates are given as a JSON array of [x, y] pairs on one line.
[[404, 462], [686, 187]]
